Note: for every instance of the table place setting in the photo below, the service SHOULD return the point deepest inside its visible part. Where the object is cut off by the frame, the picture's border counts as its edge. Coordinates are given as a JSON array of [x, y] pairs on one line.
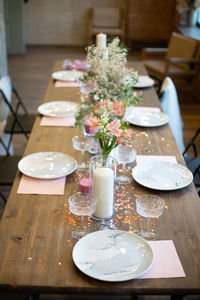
[[67, 78], [117, 255], [146, 116], [58, 113], [45, 173]]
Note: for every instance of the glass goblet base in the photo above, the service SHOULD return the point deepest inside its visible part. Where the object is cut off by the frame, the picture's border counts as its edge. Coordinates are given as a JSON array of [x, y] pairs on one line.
[[148, 235], [123, 179], [79, 234]]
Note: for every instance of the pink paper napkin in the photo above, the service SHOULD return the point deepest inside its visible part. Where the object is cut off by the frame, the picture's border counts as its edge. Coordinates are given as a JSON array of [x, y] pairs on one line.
[[166, 263], [143, 158], [29, 185], [52, 121], [62, 83]]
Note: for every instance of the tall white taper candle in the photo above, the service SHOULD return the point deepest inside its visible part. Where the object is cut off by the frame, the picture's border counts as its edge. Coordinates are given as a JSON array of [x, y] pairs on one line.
[[103, 188], [101, 40]]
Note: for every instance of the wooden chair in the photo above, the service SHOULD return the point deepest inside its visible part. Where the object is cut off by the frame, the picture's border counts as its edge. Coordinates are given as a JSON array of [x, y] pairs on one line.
[[106, 20], [180, 61], [16, 122]]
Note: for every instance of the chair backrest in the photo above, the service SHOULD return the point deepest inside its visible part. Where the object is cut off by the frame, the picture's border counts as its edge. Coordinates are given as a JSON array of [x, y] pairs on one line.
[[182, 47], [106, 17], [170, 105], [5, 91]]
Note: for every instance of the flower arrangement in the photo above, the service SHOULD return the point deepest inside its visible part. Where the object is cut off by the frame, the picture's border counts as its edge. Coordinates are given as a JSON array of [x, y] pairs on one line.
[[109, 74], [108, 80], [111, 132], [108, 91]]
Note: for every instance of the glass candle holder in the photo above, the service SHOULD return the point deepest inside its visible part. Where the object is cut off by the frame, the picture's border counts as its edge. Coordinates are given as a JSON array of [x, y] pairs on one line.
[[103, 174]]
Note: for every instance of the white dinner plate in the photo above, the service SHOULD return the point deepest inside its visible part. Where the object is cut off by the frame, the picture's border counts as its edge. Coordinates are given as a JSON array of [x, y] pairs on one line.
[[147, 118], [47, 165], [67, 75], [112, 255], [162, 175], [58, 109], [144, 81]]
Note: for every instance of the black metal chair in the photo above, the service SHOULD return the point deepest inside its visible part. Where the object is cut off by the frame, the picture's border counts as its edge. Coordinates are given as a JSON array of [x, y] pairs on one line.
[[192, 159], [16, 123]]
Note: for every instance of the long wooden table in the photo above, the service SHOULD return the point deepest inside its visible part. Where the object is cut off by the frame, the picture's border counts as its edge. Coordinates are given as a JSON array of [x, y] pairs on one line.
[[35, 230]]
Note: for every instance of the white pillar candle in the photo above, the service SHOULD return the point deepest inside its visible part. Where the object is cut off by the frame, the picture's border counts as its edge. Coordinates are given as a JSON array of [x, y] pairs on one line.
[[101, 40], [103, 188]]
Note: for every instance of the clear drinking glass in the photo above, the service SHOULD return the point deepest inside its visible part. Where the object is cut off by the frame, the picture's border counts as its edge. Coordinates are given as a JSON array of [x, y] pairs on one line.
[[82, 205], [149, 206], [124, 154], [95, 146], [82, 143]]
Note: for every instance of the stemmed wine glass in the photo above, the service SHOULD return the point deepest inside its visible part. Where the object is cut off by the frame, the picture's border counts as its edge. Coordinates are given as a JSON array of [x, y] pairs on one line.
[[124, 154], [149, 206], [82, 205], [82, 143]]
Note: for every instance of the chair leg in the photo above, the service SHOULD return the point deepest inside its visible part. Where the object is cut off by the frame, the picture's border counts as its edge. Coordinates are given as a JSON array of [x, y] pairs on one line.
[[19, 99], [3, 197], [6, 148]]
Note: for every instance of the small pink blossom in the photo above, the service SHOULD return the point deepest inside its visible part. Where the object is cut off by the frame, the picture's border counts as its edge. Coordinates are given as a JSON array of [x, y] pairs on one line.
[[117, 132], [118, 108], [115, 124]]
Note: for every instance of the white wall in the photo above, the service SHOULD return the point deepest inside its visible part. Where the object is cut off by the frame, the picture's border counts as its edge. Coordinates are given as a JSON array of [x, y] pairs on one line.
[[3, 53], [60, 22]]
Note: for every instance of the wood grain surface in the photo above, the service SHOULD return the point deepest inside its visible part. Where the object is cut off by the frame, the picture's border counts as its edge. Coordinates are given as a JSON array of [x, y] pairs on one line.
[[35, 230]]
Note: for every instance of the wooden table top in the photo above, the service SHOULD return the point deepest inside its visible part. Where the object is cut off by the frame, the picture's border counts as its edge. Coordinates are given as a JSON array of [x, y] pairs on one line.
[[35, 230]]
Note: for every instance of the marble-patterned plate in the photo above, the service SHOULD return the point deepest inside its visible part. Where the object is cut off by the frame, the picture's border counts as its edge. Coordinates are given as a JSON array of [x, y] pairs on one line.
[[147, 118], [67, 75], [47, 165], [112, 255], [162, 175], [144, 82], [58, 108]]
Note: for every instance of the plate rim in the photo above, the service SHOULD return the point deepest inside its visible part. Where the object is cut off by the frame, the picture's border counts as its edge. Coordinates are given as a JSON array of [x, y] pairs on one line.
[[163, 162], [107, 232], [48, 115], [54, 76], [157, 125], [42, 177]]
